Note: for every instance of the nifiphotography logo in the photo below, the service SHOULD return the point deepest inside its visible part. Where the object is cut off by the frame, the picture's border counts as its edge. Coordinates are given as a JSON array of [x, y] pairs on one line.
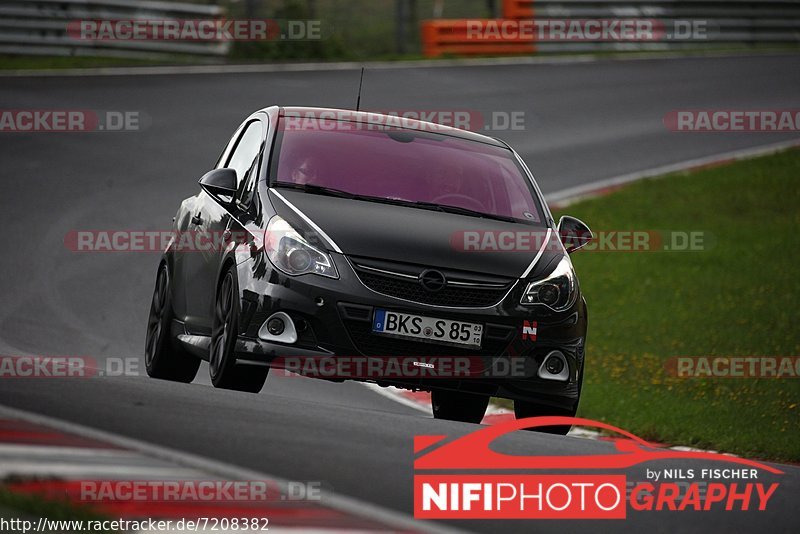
[[466, 478]]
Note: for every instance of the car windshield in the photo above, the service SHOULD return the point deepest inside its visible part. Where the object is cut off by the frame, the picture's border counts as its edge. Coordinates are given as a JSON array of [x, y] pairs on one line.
[[420, 168]]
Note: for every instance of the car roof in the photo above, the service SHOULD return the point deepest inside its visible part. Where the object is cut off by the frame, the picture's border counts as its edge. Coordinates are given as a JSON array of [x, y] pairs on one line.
[[369, 117]]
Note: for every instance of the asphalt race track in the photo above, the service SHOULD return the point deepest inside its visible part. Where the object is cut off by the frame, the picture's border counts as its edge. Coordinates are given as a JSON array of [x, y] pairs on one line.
[[583, 122]]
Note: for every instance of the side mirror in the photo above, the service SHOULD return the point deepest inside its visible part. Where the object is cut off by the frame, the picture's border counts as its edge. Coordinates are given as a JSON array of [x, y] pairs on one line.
[[573, 233], [219, 182]]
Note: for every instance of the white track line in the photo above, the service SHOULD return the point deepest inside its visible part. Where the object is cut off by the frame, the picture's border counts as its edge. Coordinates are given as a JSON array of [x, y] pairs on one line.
[[49, 451], [396, 395], [341, 503], [565, 197]]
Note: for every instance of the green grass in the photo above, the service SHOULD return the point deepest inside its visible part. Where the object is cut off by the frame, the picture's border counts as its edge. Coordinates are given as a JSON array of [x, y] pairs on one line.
[[23, 505], [738, 298]]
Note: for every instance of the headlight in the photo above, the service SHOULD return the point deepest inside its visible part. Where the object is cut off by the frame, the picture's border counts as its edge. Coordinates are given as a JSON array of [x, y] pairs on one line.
[[289, 252], [557, 291]]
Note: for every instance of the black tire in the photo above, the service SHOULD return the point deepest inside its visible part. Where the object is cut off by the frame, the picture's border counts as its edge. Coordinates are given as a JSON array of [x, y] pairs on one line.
[[163, 357], [524, 409], [458, 406], [222, 366]]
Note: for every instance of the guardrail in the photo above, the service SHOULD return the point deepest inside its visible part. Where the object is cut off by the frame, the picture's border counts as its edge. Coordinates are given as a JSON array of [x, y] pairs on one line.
[[723, 22], [452, 37], [40, 27]]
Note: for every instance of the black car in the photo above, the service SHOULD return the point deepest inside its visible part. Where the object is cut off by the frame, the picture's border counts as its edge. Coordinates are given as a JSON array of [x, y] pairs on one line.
[[355, 245]]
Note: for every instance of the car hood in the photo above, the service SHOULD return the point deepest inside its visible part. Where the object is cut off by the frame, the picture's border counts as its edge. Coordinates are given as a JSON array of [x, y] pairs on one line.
[[414, 235]]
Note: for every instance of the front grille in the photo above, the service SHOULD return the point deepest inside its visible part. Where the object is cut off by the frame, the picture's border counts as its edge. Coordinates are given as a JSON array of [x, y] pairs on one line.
[[463, 290]]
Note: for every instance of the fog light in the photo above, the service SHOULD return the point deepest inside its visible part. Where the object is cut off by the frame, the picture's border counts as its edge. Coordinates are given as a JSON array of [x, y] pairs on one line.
[[554, 365], [276, 326]]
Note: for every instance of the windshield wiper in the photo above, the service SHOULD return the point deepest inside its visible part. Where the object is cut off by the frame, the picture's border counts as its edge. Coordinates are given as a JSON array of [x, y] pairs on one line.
[[317, 189], [330, 191], [461, 211]]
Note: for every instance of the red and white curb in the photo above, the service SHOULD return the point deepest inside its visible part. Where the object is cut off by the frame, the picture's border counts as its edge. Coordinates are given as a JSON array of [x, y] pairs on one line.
[[421, 401], [49, 457]]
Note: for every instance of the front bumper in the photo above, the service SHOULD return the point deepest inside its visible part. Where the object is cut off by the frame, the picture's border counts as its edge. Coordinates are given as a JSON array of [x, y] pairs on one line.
[[334, 319]]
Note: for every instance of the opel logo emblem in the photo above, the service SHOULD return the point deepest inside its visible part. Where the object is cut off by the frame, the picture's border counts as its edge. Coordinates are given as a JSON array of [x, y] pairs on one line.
[[432, 280]]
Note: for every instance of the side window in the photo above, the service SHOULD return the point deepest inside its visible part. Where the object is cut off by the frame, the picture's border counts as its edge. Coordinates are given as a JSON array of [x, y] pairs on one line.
[[244, 157], [227, 150]]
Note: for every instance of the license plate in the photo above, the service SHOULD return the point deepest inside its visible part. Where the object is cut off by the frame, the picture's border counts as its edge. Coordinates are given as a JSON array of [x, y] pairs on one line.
[[429, 329]]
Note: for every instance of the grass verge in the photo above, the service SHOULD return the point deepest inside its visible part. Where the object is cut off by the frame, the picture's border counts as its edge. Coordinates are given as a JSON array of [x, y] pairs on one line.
[[737, 297], [27, 506]]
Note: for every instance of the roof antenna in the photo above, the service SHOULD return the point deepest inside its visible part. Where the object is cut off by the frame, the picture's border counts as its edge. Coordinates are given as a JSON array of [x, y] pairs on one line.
[[360, 82]]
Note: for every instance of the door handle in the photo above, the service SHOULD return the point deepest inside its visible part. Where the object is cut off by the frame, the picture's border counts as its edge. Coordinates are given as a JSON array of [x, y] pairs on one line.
[[197, 220]]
